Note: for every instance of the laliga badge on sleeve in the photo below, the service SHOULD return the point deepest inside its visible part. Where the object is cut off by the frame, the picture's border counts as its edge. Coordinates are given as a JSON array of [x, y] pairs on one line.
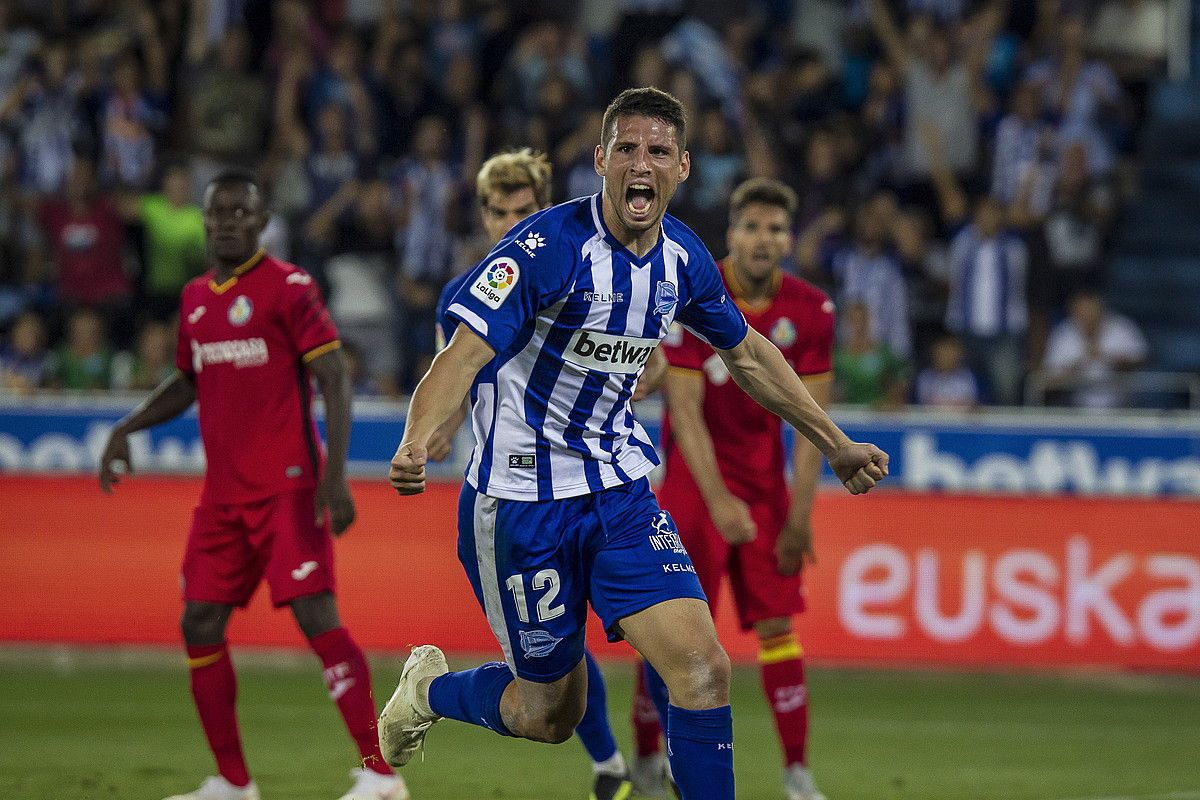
[[496, 281]]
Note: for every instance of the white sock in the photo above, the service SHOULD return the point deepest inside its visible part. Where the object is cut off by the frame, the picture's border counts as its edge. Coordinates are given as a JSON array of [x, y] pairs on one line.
[[613, 765]]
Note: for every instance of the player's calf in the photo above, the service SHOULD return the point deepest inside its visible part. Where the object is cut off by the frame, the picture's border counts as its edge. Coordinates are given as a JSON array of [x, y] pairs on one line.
[[546, 712]]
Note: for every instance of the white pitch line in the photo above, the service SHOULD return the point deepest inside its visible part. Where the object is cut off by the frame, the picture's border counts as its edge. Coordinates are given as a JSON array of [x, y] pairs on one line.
[[1181, 795]]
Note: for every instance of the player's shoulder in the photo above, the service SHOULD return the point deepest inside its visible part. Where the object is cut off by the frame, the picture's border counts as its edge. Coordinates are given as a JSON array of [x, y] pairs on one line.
[[284, 272], [676, 231], [565, 224], [799, 293]]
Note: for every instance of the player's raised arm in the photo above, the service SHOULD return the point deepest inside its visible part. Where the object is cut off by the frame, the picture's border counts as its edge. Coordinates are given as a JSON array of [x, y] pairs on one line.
[[170, 399], [438, 396], [760, 369]]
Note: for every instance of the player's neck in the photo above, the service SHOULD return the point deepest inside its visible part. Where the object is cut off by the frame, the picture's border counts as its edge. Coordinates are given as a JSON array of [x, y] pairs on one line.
[[748, 288], [224, 269], [638, 243]]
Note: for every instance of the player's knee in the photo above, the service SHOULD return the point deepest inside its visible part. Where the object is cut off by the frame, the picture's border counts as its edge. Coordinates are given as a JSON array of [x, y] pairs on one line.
[[705, 681], [203, 623], [771, 628]]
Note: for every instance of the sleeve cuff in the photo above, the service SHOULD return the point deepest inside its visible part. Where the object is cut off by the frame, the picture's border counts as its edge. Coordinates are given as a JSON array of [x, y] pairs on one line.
[[321, 350]]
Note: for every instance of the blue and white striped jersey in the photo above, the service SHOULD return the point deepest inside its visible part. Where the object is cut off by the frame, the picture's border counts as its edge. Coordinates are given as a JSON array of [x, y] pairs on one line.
[[573, 317]]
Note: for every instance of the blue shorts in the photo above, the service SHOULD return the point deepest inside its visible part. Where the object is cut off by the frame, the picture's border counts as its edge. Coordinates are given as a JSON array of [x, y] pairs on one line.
[[536, 565]]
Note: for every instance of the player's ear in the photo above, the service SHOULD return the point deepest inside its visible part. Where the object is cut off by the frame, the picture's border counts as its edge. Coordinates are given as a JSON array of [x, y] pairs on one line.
[[598, 160], [685, 166]]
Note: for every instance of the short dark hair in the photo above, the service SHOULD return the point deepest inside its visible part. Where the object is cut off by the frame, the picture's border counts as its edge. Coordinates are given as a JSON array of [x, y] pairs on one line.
[[765, 191], [646, 101], [236, 176]]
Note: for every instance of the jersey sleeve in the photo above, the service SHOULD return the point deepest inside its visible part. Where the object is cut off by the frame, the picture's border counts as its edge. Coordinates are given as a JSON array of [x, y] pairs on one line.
[[506, 290], [183, 349], [684, 350], [814, 353], [710, 312], [305, 317]]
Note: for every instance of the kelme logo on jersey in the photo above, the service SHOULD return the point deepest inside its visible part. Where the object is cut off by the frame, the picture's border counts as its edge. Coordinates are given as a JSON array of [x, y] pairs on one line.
[[531, 242], [240, 310], [603, 351], [665, 297], [496, 281], [538, 644]]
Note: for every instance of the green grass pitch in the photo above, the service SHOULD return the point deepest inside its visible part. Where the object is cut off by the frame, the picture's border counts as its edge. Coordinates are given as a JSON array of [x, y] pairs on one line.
[[96, 727]]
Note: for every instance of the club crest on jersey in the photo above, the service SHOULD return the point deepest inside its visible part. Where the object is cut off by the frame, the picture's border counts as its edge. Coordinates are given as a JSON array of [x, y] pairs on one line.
[[783, 333], [665, 298], [496, 281], [538, 643], [240, 310]]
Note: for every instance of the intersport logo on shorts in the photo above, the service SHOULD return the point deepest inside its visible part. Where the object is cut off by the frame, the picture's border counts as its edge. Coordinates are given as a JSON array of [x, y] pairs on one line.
[[604, 351], [239, 352]]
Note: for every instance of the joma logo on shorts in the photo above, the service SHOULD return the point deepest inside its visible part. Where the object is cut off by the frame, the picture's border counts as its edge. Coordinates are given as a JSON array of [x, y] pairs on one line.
[[604, 351]]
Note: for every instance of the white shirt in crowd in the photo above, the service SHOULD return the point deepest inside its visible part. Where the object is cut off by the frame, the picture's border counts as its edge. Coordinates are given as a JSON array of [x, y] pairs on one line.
[[1068, 349]]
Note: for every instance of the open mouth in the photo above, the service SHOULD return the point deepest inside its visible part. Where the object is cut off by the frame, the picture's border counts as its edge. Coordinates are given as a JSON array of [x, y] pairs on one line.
[[639, 198]]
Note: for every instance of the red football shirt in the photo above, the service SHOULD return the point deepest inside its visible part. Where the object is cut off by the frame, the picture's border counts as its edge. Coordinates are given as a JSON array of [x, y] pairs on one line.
[[87, 250], [244, 344], [746, 437]]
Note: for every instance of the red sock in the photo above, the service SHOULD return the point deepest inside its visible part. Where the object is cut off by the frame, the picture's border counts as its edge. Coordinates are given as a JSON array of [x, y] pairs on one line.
[[349, 682], [214, 688], [647, 729], [782, 664]]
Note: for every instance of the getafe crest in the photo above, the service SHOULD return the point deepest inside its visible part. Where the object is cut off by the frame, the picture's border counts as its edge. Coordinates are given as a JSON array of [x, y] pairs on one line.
[[240, 310]]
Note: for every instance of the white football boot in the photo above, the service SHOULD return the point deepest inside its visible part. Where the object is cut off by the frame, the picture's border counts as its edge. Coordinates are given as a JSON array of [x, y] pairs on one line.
[[798, 784], [370, 785], [649, 775], [217, 788], [407, 717]]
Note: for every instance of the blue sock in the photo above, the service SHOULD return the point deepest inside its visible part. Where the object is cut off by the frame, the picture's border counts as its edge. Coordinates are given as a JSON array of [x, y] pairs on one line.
[[657, 689], [472, 695], [593, 730], [700, 747]]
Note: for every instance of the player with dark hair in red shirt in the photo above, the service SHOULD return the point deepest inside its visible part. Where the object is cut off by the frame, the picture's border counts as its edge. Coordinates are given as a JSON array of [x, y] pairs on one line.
[[723, 448], [253, 332]]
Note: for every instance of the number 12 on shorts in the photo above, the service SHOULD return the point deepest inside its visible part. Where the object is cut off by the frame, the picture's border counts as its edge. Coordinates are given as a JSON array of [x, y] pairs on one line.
[[546, 610]]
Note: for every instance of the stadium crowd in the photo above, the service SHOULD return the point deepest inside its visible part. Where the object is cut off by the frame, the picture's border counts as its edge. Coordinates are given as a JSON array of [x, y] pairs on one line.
[[960, 165]]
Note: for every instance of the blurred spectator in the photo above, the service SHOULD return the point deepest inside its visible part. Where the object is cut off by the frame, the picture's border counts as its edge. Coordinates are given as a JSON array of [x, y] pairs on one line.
[[24, 361], [345, 82], [1081, 96], [948, 382], [1089, 349], [173, 240], [987, 306], [1131, 35], [16, 47], [717, 166], [152, 362], [1068, 243], [43, 113], [84, 361], [940, 87], [228, 110], [361, 278], [866, 372], [85, 238], [868, 273], [545, 49], [424, 186], [1022, 140], [135, 112]]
